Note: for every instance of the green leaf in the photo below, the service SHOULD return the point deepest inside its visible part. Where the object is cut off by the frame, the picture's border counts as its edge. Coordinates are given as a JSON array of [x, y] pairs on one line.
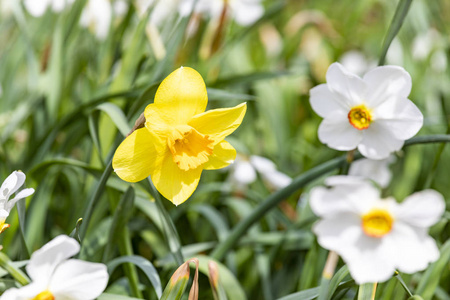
[[367, 291], [143, 264], [308, 294], [117, 116], [430, 279]]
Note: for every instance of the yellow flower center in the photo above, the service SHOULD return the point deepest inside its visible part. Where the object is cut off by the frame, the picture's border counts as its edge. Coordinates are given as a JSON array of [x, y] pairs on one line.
[[190, 149], [377, 223], [45, 295], [360, 117]]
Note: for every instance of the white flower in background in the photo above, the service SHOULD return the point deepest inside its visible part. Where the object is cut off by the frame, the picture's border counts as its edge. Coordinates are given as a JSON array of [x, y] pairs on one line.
[[96, 16], [160, 9], [356, 62], [244, 12], [11, 184], [431, 44], [120, 8], [372, 113], [37, 8], [376, 236], [376, 170], [56, 277], [244, 172]]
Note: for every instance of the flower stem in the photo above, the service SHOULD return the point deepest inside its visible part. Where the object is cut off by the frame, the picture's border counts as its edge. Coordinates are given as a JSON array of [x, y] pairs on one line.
[[272, 201], [402, 282], [327, 274], [394, 28], [18, 275]]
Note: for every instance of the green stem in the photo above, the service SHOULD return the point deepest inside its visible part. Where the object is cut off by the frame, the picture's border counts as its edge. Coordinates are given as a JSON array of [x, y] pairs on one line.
[[169, 229], [394, 28], [402, 282], [18, 275], [127, 250], [272, 201]]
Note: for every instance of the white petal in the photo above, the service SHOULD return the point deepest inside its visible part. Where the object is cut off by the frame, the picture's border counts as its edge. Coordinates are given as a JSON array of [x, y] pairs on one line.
[[79, 280], [246, 13], [339, 134], [422, 209], [11, 184], [262, 164], [3, 214], [376, 170], [386, 81], [36, 8], [22, 194], [277, 179], [412, 249], [368, 260], [339, 232], [243, 172], [44, 261], [24, 293], [378, 143], [355, 62], [350, 87], [400, 116], [344, 198], [325, 103], [345, 180]]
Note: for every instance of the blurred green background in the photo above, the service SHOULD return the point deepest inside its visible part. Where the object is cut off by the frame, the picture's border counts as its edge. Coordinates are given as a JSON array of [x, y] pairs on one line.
[[68, 98]]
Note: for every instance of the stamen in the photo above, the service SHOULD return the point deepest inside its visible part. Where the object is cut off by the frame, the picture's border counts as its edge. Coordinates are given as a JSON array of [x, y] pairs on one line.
[[45, 295], [189, 148], [360, 117]]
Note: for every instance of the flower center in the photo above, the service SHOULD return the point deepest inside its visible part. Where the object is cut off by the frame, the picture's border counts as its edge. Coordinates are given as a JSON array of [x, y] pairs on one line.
[[359, 116], [190, 149], [45, 295], [377, 223]]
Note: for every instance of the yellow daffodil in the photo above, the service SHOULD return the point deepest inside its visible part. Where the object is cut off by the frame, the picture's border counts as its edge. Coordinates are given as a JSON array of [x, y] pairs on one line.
[[179, 139]]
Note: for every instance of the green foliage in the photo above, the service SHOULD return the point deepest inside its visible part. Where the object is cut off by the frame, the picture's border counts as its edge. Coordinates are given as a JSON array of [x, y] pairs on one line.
[[68, 99]]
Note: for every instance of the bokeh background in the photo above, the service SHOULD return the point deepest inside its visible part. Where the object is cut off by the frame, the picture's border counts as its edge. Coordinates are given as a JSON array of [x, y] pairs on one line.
[[69, 95]]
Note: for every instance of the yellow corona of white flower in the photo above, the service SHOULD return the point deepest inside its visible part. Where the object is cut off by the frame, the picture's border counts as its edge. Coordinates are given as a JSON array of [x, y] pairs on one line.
[[375, 236], [56, 277], [11, 184], [372, 113]]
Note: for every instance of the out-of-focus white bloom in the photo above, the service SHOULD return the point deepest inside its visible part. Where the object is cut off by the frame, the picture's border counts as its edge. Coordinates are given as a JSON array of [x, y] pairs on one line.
[[97, 16], [56, 277], [372, 113], [120, 8], [356, 62], [376, 236], [6, 7], [160, 9], [37, 8], [376, 170], [11, 184], [244, 172], [431, 43], [394, 56], [244, 12]]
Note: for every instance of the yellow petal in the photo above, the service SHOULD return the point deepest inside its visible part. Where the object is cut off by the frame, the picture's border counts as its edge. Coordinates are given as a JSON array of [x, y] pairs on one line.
[[184, 92], [218, 123], [223, 155], [135, 157], [172, 182]]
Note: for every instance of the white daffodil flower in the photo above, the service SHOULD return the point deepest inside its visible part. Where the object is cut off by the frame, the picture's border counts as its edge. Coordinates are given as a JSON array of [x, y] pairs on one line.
[[372, 113], [11, 184], [37, 8], [376, 236], [244, 12], [356, 62], [96, 16], [244, 172], [56, 277], [376, 170]]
